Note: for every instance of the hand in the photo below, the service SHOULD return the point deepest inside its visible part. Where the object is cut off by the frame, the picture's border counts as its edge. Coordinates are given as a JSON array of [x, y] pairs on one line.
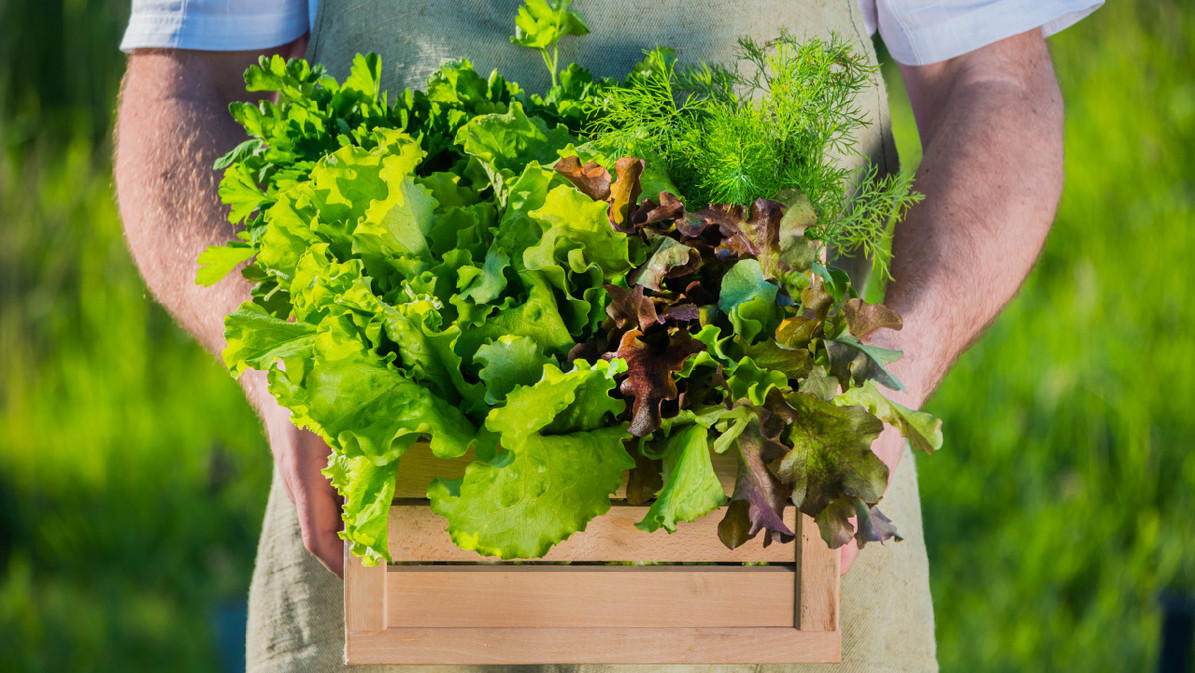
[[300, 456], [888, 446]]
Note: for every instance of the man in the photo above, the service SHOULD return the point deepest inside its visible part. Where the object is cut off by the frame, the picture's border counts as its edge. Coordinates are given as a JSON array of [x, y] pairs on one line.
[[990, 118]]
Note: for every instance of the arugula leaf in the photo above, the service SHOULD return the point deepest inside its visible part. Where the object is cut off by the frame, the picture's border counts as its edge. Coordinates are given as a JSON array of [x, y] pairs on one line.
[[217, 261]]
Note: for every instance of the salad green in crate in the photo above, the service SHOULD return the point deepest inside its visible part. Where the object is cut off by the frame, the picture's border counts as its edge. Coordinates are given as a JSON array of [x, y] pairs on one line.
[[611, 276]]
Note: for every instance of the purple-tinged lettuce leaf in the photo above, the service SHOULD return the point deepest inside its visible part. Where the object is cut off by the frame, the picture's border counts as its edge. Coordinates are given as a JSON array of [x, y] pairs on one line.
[[646, 479], [853, 361], [624, 193], [831, 454], [667, 209], [670, 259], [592, 179], [862, 318], [630, 309], [764, 495], [650, 374], [834, 523], [872, 525]]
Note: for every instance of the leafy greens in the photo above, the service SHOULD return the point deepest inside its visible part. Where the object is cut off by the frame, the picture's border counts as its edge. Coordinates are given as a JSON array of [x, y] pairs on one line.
[[566, 285]]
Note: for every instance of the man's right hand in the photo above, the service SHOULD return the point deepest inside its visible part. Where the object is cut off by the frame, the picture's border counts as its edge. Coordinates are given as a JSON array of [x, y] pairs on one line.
[[299, 457], [172, 124]]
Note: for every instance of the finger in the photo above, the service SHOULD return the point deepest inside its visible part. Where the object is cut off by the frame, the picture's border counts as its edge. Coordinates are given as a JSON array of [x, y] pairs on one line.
[[317, 505], [846, 557]]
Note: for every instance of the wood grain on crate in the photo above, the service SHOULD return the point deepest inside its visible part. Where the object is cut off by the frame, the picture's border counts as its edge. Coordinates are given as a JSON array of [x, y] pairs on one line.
[[428, 646], [485, 613], [590, 597], [418, 534], [817, 568]]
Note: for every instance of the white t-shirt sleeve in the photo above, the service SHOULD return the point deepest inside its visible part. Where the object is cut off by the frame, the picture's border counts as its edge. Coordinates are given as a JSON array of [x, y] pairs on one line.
[[918, 32], [216, 25]]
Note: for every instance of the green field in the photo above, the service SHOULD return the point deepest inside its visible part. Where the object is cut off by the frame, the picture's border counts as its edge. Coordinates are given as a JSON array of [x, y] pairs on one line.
[[133, 475]]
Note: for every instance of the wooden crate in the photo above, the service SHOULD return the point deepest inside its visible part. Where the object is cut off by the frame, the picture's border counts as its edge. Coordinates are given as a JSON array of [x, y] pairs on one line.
[[422, 611]]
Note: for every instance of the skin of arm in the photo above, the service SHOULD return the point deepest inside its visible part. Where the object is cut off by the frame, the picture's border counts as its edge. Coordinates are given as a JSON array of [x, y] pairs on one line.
[[990, 123], [172, 124]]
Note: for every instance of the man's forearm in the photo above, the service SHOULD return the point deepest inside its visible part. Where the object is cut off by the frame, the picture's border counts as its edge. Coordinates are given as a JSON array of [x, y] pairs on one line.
[[166, 143], [172, 124], [991, 175]]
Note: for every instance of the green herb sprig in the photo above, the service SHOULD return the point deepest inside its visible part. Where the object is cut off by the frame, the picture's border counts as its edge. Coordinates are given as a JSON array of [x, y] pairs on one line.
[[540, 24], [779, 118]]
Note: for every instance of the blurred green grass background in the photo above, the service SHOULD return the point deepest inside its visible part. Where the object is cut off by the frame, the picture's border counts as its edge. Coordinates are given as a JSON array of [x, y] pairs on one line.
[[133, 475]]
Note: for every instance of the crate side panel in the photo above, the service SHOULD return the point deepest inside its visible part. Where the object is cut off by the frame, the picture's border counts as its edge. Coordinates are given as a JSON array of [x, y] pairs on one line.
[[818, 593], [364, 595]]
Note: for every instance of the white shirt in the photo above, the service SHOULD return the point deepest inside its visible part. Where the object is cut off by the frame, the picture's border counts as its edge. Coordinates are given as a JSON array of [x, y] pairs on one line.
[[916, 32]]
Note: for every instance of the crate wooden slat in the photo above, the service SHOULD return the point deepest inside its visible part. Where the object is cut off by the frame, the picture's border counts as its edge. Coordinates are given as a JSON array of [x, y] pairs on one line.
[[610, 537], [531, 597], [442, 605], [429, 646]]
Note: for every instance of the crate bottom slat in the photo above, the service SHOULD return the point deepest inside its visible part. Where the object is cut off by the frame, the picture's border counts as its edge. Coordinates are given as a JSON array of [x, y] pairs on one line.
[[651, 597], [505, 646]]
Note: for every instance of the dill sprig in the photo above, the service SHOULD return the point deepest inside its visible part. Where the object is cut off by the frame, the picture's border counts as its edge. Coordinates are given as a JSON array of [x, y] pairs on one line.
[[779, 118]]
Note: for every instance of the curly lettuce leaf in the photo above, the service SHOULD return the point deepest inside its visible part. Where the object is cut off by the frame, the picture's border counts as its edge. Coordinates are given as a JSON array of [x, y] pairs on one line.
[[256, 340], [831, 457], [505, 143], [367, 489], [507, 363], [691, 487], [923, 431], [362, 405], [540, 488]]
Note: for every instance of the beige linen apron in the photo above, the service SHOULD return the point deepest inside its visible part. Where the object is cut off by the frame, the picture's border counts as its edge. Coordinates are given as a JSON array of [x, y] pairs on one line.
[[296, 615]]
